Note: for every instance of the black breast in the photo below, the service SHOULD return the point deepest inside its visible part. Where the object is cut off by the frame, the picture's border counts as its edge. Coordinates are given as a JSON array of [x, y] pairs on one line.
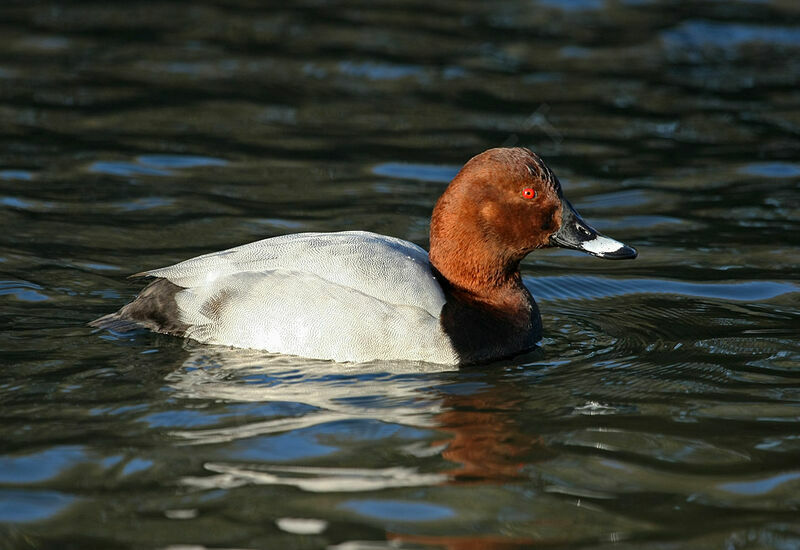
[[480, 332]]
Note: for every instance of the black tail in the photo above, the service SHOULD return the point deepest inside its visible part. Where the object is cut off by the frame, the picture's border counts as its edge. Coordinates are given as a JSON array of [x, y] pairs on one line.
[[154, 309]]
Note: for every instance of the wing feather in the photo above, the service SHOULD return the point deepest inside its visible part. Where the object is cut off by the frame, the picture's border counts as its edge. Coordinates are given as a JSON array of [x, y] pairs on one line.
[[390, 269]]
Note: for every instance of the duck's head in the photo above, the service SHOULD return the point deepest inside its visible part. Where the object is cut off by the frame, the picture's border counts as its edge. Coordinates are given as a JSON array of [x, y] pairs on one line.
[[503, 204]]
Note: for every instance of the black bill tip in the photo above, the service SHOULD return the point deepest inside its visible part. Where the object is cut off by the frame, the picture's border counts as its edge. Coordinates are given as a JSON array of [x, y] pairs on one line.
[[579, 235]]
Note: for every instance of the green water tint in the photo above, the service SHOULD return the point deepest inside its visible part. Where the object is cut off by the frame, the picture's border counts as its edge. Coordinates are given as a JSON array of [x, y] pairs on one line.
[[662, 409]]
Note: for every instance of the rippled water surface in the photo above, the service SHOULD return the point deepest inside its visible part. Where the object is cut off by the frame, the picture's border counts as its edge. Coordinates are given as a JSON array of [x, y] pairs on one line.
[[661, 411]]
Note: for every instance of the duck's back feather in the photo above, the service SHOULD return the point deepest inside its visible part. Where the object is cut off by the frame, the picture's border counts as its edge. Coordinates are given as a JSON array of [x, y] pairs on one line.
[[393, 270]]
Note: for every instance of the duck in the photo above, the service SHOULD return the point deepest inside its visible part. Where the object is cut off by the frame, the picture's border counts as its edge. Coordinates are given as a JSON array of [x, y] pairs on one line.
[[358, 296]]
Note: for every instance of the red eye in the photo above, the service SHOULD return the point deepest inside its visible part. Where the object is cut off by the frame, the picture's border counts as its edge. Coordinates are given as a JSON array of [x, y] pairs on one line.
[[529, 193]]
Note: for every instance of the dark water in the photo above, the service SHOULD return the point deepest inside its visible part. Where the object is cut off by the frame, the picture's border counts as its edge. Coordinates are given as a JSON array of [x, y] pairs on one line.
[[663, 408]]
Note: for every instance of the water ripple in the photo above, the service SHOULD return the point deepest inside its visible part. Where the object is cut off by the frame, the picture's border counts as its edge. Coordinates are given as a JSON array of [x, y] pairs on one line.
[[23, 290], [315, 480], [575, 286]]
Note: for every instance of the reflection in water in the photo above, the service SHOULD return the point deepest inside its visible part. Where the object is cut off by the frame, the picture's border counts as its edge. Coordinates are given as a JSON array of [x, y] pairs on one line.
[[402, 394], [386, 391], [391, 393], [477, 438]]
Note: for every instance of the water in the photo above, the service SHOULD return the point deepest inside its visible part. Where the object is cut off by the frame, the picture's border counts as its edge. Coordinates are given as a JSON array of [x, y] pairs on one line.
[[662, 410]]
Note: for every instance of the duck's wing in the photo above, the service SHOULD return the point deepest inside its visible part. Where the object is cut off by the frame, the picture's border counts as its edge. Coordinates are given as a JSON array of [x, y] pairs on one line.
[[389, 269], [299, 313]]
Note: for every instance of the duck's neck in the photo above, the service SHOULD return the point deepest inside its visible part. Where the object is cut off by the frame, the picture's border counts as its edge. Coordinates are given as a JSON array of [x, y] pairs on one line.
[[471, 277], [488, 313], [475, 276], [469, 263]]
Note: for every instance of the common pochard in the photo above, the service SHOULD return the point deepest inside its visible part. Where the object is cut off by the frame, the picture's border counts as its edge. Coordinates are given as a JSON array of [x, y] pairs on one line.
[[357, 296]]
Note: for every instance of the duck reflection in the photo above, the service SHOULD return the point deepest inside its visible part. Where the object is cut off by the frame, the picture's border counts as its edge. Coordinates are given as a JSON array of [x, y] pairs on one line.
[[476, 410], [487, 442]]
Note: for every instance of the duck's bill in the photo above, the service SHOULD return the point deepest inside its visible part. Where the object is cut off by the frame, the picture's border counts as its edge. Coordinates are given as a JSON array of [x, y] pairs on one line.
[[579, 235]]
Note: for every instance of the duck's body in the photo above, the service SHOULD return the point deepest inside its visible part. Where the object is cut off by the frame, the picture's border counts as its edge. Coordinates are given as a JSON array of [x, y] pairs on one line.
[[359, 296], [350, 296]]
